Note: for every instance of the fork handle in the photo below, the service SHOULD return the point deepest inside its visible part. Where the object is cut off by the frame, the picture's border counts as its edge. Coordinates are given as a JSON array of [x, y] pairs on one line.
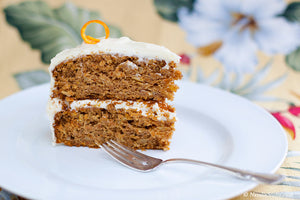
[[243, 174]]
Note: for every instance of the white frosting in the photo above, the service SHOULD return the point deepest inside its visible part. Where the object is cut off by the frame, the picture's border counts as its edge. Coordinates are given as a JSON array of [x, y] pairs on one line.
[[54, 106], [122, 46], [139, 106], [130, 64], [166, 66]]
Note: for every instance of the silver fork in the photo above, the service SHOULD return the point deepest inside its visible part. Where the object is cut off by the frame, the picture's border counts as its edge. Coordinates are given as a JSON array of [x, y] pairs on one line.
[[141, 162]]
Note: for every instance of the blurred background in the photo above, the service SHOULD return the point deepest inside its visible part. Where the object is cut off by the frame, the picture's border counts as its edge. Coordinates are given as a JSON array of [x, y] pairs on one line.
[[135, 19], [247, 47], [162, 22]]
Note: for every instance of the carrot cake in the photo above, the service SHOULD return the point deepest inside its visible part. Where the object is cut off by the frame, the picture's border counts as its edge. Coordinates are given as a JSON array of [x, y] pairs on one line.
[[114, 88]]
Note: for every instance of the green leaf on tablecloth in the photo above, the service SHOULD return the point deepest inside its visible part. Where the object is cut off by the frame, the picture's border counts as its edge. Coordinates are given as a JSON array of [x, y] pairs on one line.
[[291, 183], [292, 12], [254, 92], [53, 30], [293, 60], [31, 78], [167, 9], [292, 168], [294, 177]]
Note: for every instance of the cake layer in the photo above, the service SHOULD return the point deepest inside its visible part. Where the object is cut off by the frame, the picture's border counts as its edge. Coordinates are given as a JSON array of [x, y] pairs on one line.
[[140, 125], [107, 76]]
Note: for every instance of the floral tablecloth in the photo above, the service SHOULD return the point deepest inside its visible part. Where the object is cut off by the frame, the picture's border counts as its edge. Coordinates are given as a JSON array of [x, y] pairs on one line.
[[236, 51]]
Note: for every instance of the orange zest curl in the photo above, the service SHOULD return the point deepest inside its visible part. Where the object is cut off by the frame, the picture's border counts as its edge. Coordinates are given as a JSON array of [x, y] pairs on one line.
[[89, 39]]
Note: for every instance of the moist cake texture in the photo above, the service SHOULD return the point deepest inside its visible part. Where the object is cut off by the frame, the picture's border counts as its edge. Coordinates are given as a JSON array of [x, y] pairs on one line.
[[139, 125], [106, 76], [115, 89]]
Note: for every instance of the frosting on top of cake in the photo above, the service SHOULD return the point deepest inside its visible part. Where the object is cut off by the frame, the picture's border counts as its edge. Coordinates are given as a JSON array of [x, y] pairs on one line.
[[121, 46]]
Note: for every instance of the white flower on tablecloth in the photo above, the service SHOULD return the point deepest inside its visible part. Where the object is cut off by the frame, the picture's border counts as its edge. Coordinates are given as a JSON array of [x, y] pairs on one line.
[[234, 30]]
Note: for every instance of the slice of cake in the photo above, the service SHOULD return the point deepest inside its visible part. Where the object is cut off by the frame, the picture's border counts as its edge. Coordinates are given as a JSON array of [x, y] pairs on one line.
[[115, 89], [115, 69]]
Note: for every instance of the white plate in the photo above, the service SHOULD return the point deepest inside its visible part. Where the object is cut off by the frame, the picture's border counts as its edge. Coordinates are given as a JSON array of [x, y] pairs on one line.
[[213, 126]]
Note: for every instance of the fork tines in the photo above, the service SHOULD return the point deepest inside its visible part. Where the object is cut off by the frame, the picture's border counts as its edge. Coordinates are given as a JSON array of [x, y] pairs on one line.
[[128, 157]]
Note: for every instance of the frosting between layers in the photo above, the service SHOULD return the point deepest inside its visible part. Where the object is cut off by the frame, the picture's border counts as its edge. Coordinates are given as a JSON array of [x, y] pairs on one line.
[[139, 106], [121, 46], [55, 105]]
